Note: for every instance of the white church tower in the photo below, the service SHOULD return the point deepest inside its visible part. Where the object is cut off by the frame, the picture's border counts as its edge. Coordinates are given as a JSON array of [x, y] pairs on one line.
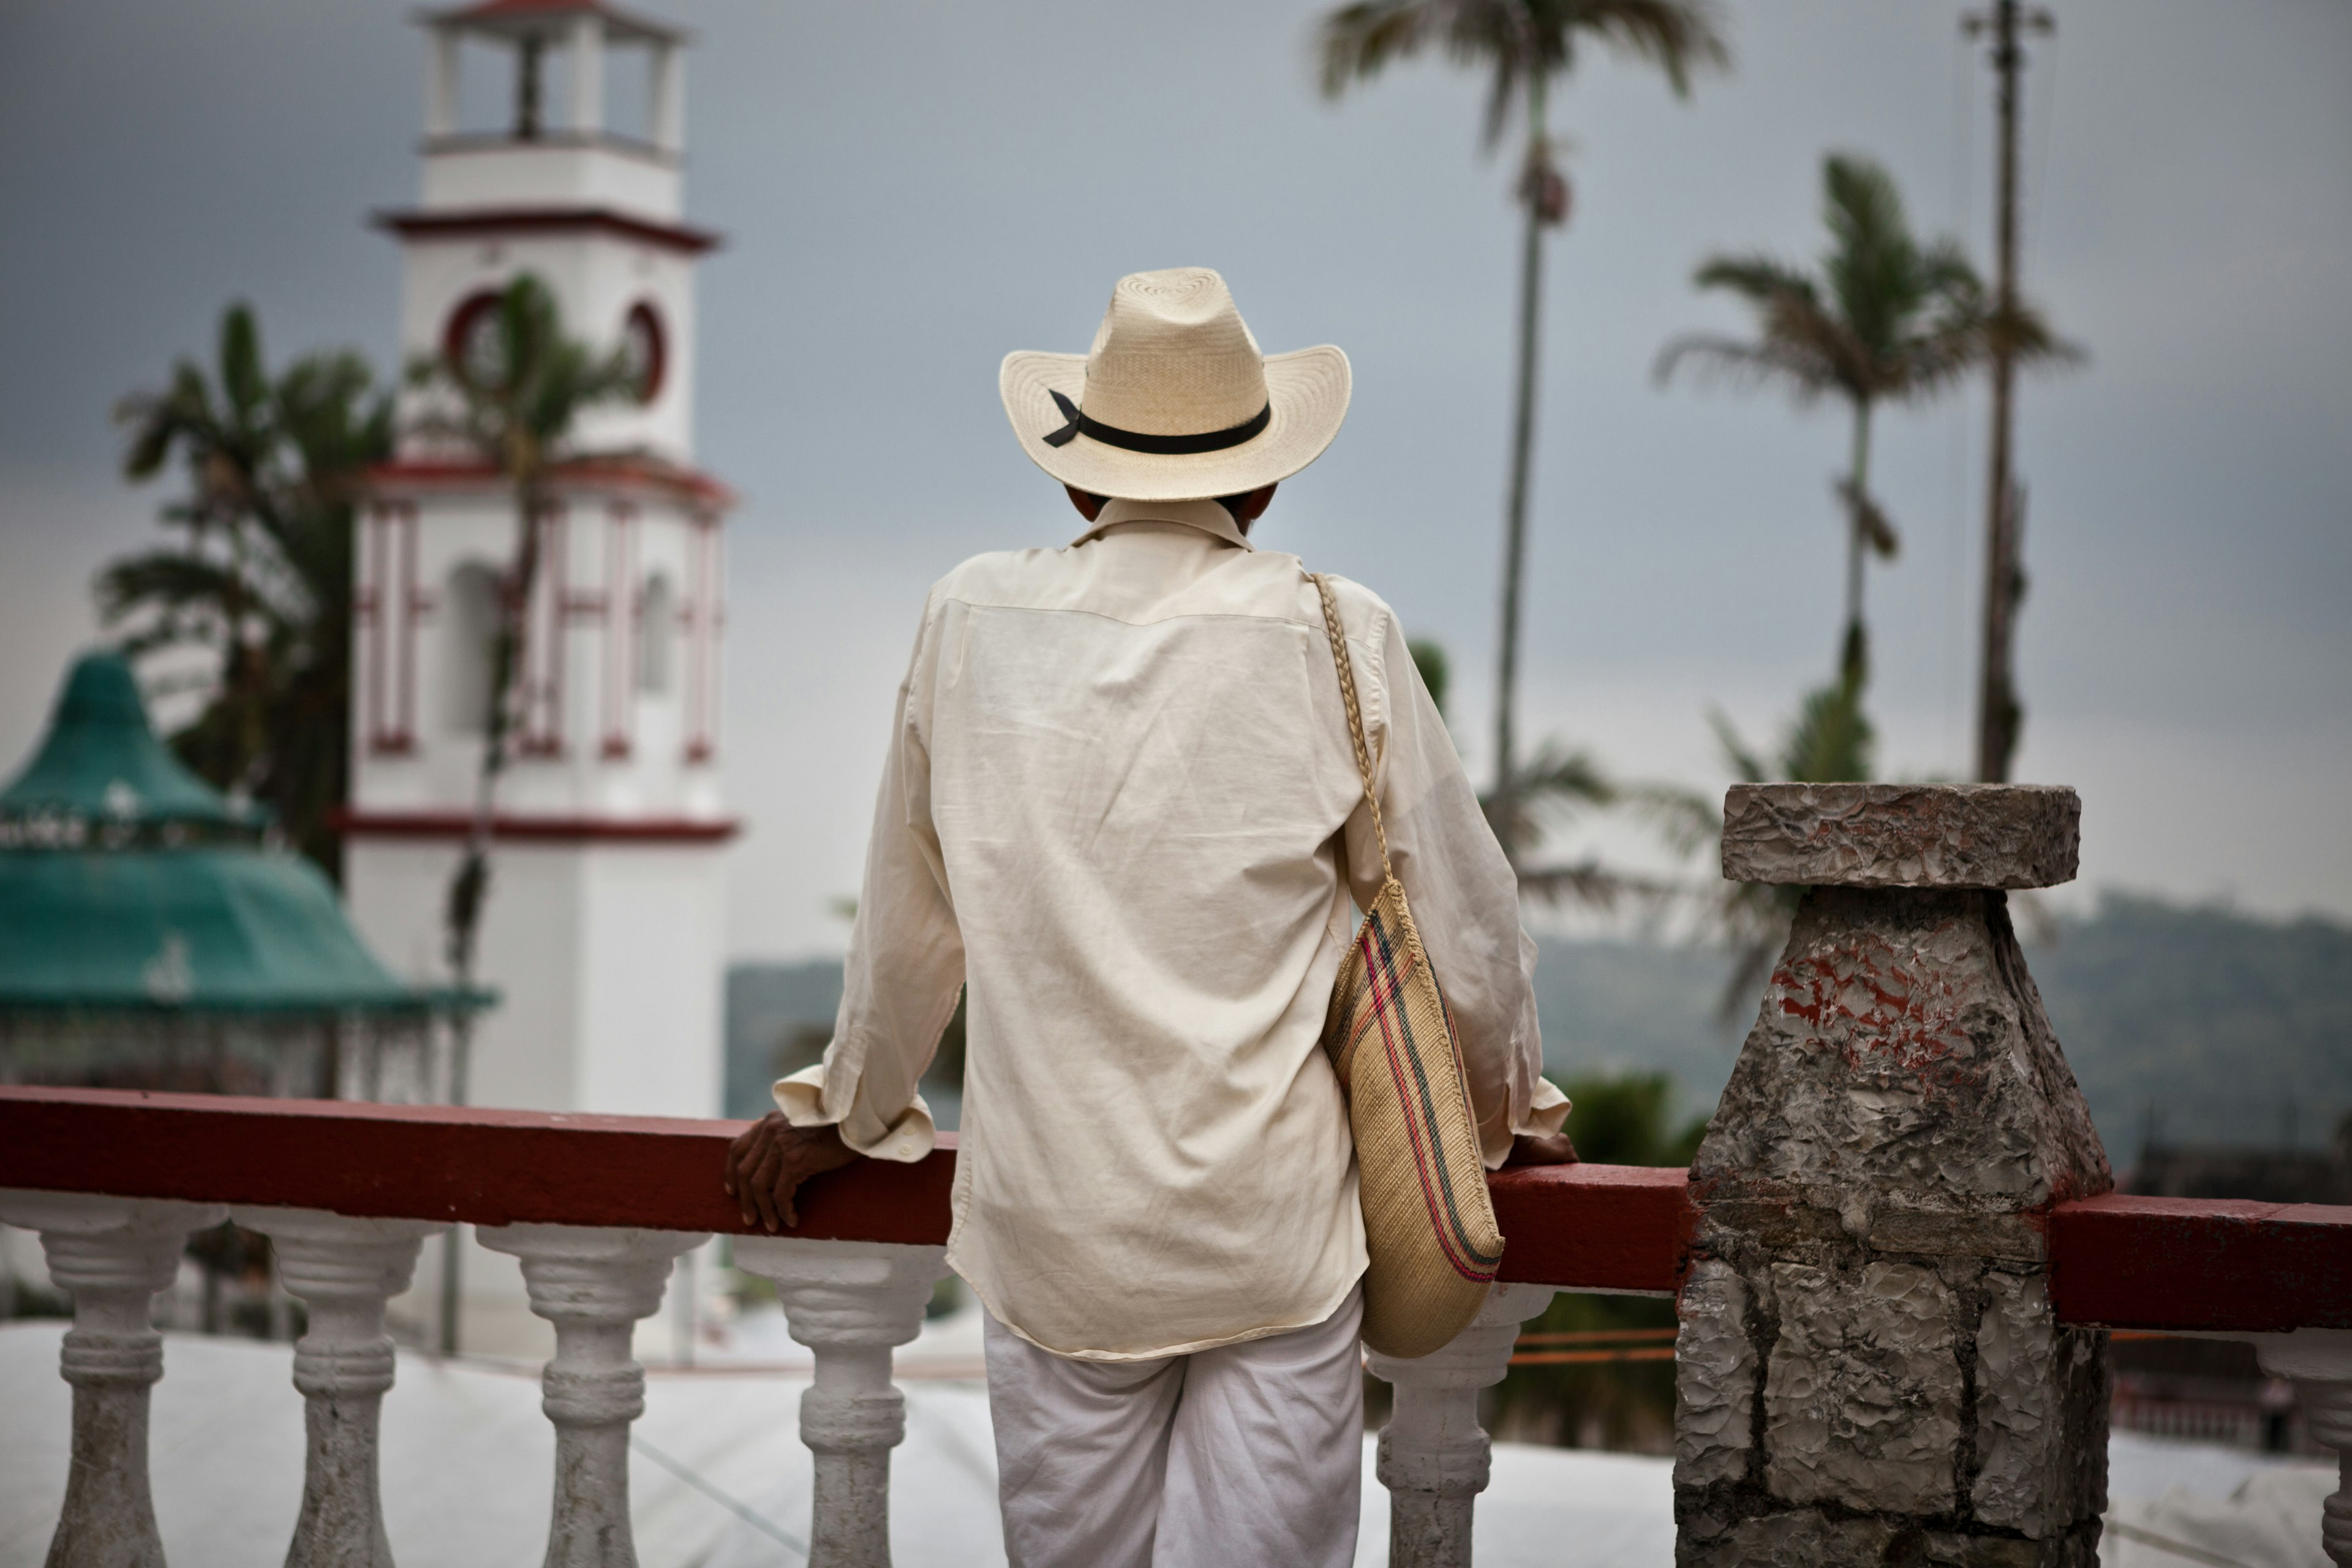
[[603, 930]]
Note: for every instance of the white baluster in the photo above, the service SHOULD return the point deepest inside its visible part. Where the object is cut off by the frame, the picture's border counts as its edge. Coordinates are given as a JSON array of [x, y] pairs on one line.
[[850, 1302], [111, 1255], [342, 1270], [2320, 1362], [1433, 1455], [592, 1285]]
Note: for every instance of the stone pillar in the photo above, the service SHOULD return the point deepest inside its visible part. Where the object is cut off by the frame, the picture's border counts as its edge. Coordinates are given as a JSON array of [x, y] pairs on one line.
[[1433, 1455], [342, 1270], [593, 1285], [851, 1303], [1868, 1369], [111, 1255]]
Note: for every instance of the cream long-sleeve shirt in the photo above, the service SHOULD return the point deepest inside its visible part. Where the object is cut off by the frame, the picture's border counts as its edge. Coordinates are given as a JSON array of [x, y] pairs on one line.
[[1117, 799]]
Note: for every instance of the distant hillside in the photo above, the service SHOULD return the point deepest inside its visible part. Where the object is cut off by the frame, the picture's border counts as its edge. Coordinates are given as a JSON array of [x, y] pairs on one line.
[[2227, 1028]]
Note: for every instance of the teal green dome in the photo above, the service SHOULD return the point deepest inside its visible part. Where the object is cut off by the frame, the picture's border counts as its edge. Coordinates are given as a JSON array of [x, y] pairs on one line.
[[100, 771], [128, 884]]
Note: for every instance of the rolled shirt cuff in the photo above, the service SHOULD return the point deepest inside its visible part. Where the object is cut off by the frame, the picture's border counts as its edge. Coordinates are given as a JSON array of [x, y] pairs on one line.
[[1546, 1112], [905, 1140]]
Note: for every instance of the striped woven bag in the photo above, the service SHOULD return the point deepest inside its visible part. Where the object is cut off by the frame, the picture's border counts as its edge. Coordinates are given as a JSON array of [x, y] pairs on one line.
[[1428, 1224]]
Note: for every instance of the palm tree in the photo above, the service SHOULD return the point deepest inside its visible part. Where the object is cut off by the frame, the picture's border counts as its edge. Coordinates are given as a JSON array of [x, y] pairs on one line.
[[512, 396], [262, 579], [1523, 45], [1889, 319], [1557, 784], [1828, 741]]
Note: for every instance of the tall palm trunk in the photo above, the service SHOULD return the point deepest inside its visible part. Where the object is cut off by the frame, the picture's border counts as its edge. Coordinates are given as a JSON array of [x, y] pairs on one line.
[[1514, 516], [470, 887], [1854, 664]]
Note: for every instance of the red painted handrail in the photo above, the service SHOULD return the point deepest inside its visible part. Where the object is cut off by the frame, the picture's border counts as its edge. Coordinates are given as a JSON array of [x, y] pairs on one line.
[[2148, 1263], [2184, 1263]]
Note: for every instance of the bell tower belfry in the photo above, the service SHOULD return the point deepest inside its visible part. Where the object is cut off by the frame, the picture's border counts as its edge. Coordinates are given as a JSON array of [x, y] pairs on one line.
[[603, 931]]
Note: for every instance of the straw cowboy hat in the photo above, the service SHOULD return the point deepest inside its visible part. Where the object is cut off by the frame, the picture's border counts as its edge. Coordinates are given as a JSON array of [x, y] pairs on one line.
[[1174, 402]]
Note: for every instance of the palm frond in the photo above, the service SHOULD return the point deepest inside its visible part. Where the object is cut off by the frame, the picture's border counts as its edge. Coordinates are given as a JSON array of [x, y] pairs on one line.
[[245, 385], [1358, 41], [1805, 375], [1518, 44], [1746, 764], [1676, 35], [1831, 740], [1595, 886], [1869, 520], [1687, 820], [1763, 280]]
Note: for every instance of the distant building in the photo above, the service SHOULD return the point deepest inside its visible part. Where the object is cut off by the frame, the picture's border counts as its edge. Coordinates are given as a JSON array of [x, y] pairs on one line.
[[604, 929]]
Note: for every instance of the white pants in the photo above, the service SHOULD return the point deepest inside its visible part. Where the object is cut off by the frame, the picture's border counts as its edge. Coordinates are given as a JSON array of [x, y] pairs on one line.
[[1248, 1456]]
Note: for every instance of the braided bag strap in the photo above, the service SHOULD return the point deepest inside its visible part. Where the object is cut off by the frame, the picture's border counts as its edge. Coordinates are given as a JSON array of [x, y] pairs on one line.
[[1338, 638]]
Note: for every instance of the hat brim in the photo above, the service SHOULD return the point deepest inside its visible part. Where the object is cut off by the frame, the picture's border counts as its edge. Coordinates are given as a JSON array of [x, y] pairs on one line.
[[1307, 395]]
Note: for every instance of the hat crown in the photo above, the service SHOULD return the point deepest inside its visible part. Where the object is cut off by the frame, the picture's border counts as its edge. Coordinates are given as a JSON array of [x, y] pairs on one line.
[[1174, 357]]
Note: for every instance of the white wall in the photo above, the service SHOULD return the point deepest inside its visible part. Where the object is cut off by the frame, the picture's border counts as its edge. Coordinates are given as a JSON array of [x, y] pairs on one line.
[[596, 276]]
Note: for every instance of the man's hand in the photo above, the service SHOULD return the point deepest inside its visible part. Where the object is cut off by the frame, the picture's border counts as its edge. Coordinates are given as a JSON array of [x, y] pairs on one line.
[[767, 1165], [1549, 1149]]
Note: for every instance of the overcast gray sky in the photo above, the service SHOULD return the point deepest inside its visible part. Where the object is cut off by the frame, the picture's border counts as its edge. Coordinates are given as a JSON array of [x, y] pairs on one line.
[[909, 190]]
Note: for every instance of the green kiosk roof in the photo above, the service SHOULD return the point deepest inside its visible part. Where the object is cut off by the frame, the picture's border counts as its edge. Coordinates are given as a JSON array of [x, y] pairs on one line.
[[128, 883]]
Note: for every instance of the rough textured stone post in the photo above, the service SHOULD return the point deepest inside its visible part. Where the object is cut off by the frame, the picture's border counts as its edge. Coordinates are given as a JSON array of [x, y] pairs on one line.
[[343, 1271], [1868, 1370], [111, 1255], [593, 1285], [851, 1303], [1433, 1455]]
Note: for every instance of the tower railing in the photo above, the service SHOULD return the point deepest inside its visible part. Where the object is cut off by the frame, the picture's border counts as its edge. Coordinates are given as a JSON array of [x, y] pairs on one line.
[[598, 1207]]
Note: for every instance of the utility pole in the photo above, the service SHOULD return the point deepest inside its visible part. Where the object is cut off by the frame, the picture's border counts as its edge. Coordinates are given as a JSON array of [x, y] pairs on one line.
[[1998, 713]]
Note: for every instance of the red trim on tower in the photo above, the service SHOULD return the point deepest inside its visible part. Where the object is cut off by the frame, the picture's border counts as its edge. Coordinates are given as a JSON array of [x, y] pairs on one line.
[[387, 608], [619, 473], [620, 629], [703, 617], [469, 222], [457, 823], [531, 16]]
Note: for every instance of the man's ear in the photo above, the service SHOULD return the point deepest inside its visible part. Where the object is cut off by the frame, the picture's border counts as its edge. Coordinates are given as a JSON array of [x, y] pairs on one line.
[[1089, 505], [1248, 509]]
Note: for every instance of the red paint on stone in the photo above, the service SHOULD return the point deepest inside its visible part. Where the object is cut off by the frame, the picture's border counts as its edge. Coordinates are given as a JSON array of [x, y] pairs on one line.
[[1878, 1006]]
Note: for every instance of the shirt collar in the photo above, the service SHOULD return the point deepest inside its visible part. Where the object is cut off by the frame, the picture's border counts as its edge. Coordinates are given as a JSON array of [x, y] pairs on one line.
[[1208, 516]]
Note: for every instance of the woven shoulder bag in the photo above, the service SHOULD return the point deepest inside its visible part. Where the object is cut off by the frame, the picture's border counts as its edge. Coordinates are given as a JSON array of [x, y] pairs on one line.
[[1428, 1224]]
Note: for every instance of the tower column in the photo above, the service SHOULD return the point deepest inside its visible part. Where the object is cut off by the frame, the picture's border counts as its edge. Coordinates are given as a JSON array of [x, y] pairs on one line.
[[441, 85], [668, 117], [587, 74]]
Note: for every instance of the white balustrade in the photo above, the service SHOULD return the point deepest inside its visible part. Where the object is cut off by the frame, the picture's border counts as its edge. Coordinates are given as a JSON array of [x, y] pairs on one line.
[[851, 1303], [1433, 1455], [593, 1285], [2320, 1362], [342, 1270], [111, 1255]]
